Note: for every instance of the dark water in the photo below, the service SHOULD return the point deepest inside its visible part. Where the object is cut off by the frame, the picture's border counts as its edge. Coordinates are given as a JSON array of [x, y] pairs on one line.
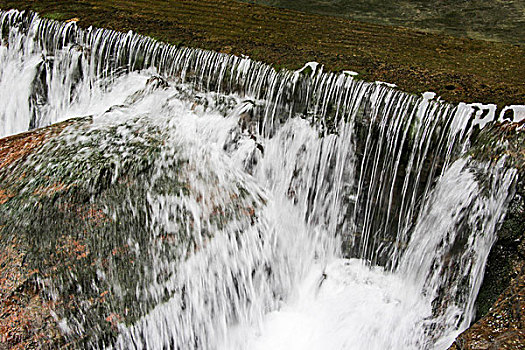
[[496, 20]]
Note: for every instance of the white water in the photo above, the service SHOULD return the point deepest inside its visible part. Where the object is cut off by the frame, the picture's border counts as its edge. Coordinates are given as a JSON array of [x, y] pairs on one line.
[[348, 305], [314, 299], [380, 185]]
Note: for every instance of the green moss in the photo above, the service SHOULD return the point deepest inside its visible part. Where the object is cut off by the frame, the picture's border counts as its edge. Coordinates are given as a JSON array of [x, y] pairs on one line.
[[57, 16]]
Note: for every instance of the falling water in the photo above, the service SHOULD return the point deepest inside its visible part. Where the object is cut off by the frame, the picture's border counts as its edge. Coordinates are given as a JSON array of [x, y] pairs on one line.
[[274, 210]]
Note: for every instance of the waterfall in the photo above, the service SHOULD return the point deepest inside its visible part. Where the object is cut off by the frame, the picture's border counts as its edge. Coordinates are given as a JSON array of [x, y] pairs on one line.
[[261, 209]]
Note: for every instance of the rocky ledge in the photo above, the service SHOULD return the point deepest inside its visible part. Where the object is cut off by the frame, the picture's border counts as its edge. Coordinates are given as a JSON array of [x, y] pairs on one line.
[[458, 69]]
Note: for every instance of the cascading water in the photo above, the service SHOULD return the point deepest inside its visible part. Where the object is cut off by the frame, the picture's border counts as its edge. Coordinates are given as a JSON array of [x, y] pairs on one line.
[[275, 210]]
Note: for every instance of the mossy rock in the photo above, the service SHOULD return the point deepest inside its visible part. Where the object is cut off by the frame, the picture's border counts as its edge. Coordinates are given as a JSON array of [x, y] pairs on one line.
[[78, 208]]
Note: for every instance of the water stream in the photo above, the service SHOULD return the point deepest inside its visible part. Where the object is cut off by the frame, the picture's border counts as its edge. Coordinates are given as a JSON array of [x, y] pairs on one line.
[[281, 210]]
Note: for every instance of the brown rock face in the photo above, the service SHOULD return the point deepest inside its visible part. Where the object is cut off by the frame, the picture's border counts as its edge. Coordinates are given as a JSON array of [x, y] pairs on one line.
[[25, 317], [504, 326], [18, 147]]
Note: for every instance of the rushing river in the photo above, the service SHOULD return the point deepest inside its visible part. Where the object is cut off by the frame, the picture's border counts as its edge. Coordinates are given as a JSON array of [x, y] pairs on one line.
[[323, 212]]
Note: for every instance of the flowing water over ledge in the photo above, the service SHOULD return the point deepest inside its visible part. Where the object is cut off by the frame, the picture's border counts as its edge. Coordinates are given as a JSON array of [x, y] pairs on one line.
[[258, 209]]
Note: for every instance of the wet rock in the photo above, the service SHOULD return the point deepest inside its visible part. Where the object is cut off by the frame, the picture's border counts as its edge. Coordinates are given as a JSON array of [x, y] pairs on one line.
[[152, 84], [25, 314], [76, 215], [504, 326], [39, 90], [501, 300]]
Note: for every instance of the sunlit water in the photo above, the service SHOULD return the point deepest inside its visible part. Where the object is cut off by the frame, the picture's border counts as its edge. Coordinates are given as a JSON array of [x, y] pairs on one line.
[[353, 220]]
